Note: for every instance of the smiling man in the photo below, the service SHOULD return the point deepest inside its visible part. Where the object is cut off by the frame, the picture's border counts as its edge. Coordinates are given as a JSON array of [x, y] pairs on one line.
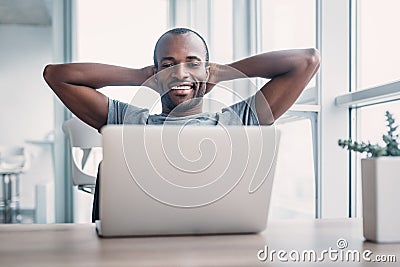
[[181, 63], [182, 75]]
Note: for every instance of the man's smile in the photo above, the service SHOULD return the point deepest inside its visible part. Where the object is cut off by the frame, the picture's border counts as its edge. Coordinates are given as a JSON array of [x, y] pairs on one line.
[[182, 89]]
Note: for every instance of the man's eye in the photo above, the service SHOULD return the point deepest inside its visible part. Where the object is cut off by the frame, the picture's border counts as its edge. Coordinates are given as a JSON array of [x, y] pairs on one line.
[[194, 64], [167, 65]]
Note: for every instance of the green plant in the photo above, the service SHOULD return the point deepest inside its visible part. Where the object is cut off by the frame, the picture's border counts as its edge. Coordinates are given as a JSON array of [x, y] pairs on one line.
[[390, 139]]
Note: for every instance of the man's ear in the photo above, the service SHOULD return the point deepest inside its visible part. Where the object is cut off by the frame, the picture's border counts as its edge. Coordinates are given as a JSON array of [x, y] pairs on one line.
[[155, 73], [207, 73], [207, 85]]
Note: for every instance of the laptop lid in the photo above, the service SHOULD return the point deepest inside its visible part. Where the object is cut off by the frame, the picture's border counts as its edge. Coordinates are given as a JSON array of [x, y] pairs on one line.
[[169, 180]]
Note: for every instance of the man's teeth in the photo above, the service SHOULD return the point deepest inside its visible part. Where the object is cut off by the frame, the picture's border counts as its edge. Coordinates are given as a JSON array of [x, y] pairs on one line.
[[182, 87]]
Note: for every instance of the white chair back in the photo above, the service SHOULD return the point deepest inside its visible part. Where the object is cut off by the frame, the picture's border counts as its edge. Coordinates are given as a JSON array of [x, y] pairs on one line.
[[83, 136], [80, 134]]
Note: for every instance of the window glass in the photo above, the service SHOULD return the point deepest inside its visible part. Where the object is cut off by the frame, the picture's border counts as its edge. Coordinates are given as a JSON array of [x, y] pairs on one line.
[[372, 120], [288, 24], [378, 44], [120, 32], [284, 24], [221, 51], [221, 45], [293, 194]]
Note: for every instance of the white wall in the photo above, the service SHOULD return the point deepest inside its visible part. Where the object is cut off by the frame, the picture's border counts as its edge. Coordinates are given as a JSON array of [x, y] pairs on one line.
[[26, 102]]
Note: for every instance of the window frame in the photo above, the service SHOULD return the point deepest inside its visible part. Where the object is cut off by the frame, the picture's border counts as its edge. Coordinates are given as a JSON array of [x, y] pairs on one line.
[[335, 81], [357, 98]]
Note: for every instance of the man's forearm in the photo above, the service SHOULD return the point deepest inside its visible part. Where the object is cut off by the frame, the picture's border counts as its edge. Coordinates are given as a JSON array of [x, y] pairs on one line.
[[267, 65], [289, 72], [96, 75], [74, 85]]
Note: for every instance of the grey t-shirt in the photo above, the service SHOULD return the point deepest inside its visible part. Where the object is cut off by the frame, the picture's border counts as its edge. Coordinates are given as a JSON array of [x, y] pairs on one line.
[[241, 113]]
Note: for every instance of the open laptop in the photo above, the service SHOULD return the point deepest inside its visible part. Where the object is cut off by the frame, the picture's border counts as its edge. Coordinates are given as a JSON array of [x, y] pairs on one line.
[[172, 180]]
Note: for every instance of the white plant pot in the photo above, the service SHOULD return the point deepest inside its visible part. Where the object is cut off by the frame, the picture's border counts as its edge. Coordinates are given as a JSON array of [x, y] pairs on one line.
[[381, 198]]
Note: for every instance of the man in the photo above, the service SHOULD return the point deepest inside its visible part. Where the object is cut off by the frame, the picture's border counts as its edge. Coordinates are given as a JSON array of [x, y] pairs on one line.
[[182, 75]]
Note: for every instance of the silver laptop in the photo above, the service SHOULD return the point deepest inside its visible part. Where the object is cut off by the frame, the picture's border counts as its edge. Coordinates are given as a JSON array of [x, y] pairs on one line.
[[172, 180]]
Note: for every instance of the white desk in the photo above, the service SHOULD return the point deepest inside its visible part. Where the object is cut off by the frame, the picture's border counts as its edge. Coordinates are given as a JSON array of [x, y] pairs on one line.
[[78, 245]]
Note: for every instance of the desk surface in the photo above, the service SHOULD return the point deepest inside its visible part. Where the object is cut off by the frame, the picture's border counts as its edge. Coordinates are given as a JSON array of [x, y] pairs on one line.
[[78, 245]]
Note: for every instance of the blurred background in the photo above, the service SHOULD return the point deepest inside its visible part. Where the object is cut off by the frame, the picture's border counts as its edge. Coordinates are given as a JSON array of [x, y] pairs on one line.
[[357, 82]]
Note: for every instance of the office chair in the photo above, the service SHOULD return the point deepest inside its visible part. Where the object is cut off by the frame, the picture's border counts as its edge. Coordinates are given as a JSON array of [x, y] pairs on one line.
[[14, 160], [83, 138]]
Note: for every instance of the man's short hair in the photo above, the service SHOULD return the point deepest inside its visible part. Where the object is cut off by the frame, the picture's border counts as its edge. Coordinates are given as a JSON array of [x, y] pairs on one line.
[[179, 31]]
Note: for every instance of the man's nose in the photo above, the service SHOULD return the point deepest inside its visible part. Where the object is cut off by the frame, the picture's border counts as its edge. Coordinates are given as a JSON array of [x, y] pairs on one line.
[[180, 71]]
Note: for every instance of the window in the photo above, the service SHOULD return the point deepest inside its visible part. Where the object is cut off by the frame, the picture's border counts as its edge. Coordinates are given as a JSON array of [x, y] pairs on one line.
[[378, 44], [237, 29], [288, 24], [374, 87], [291, 24], [265, 25], [371, 125], [294, 184], [221, 50], [113, 32], [377, 64]]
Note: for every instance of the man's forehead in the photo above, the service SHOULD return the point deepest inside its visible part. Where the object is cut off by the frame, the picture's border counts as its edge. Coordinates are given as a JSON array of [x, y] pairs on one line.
[[176, 44]]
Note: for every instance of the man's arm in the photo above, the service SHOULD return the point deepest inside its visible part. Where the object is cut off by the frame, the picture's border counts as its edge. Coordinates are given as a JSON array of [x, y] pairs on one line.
[[75, 84], [289, 71]]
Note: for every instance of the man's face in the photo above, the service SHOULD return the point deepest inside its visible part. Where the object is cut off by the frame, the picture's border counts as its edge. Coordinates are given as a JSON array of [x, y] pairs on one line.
[[182, 72]]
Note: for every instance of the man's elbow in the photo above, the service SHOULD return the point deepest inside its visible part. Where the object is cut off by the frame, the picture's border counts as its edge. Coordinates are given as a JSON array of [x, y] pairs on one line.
[[54, 74], [313, 57], [48, 72]]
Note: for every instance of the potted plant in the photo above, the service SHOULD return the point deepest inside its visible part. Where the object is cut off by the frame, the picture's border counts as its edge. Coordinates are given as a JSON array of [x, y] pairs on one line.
[[380, 173]]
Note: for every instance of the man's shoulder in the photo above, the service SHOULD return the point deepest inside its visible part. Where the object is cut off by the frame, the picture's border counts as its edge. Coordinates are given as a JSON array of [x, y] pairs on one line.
[[120, 112], [242, 112]]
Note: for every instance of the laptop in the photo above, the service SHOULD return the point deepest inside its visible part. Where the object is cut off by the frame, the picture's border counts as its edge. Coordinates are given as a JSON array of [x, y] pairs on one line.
[[177, 180]]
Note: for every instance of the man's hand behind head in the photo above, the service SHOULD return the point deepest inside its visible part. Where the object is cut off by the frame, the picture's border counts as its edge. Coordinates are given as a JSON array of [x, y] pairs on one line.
[[150, 82]]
